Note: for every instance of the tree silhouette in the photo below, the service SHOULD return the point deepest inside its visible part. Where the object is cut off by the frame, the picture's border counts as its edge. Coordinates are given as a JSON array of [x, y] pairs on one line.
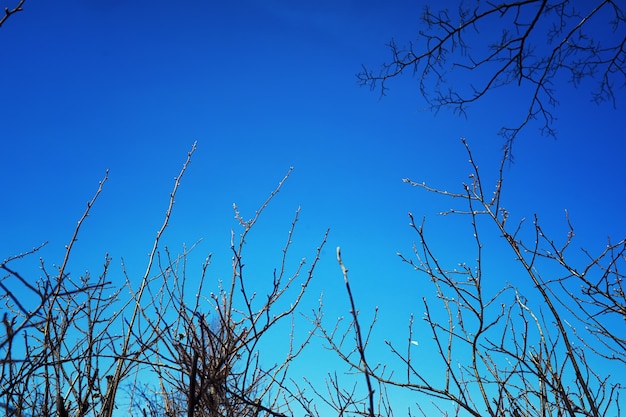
[[462, 55]]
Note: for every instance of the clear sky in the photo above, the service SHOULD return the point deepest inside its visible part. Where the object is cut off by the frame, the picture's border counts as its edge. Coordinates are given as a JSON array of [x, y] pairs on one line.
[[263, 86]]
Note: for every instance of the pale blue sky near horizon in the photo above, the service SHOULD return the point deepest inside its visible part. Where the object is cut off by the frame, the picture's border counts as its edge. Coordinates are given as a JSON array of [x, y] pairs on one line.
[[263, 86]]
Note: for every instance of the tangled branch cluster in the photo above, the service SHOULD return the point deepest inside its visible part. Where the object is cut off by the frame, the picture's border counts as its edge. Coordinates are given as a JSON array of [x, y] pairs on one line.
[[528, 43]]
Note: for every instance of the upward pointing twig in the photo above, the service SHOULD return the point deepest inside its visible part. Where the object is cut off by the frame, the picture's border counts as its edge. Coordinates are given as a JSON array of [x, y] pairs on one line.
[[121, 367], [359, 338]]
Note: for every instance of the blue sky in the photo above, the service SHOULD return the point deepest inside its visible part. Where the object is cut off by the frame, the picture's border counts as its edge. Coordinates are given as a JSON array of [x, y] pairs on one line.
[[263, 86]]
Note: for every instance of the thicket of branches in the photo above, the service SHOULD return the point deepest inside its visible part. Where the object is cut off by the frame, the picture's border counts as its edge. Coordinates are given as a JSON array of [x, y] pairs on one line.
[[82, 343], [555, 348], [550, 341], [70, 345]]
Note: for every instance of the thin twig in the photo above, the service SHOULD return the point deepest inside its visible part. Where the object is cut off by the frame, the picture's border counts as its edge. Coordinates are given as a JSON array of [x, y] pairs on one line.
[[357, 331]]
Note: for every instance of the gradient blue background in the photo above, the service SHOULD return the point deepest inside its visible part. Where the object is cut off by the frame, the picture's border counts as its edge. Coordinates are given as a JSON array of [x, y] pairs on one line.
[[262, 86]]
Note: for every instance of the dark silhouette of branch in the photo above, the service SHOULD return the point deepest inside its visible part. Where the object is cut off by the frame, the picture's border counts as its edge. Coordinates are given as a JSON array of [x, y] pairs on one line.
[[359, 336], [461, 56], [8, 12]]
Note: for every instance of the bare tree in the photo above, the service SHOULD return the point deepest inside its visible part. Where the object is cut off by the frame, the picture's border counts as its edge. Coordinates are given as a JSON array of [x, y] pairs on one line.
[[75, 348], [210, 351], [548, 341], [509, 350], [462, 55], [70, 344], [57, 337]]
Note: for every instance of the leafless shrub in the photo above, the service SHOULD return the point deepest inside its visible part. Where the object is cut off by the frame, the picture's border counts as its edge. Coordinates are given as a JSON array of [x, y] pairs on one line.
[[53, 345], [210, 350], [504, 351], [79, 344]]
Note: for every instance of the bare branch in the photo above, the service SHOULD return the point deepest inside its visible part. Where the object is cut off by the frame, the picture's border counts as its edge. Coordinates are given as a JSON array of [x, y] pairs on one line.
[[8, 12], [504, 44]]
